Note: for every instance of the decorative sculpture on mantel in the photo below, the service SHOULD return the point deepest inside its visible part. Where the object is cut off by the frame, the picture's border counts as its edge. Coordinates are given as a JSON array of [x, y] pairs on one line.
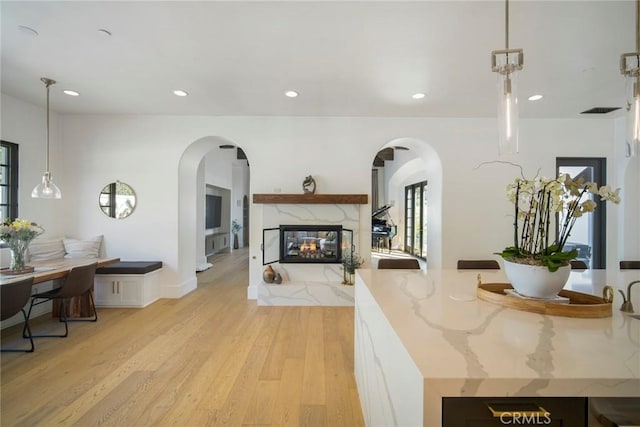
[[309, 185]]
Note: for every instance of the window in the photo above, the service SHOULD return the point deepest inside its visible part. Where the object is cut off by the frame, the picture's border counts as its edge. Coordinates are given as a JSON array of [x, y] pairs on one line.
[[8, 180], [588, 235], [415, 219]]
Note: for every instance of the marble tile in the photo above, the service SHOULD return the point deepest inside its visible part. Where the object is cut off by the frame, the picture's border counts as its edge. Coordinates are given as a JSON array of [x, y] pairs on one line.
[[306, 284], [307, 293]]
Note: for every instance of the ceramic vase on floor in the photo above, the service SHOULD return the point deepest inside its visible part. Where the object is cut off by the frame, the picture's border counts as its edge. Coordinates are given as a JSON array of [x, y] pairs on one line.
[[536, 281], [268, 274]]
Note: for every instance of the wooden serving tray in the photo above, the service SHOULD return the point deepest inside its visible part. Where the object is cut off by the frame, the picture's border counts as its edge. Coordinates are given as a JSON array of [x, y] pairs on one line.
[[579, 305], [27, 269]]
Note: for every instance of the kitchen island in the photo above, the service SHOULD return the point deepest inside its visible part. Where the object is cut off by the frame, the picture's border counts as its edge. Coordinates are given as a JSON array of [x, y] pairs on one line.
[[421, 336]]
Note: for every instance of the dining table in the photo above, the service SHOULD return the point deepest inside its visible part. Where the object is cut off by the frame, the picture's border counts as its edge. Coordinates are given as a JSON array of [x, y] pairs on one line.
[[56, 270]]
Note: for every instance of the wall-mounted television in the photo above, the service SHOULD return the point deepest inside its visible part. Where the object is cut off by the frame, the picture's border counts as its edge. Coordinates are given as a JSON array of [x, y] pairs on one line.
[[213, 211]]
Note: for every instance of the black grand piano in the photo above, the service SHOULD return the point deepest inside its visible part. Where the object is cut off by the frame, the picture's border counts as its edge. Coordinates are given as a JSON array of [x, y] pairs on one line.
[[382, 228]]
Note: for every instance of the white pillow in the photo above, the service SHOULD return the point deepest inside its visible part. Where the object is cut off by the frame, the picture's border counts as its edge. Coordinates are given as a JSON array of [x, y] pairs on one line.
[[87, 248], [45, 249]]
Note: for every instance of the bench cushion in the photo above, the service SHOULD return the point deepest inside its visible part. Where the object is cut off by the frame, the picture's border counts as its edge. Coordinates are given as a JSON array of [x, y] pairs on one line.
[[130, 267]]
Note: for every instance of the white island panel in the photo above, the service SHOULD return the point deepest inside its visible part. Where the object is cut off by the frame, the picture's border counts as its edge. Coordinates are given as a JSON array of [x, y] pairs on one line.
[[385, 399], [463, 346]]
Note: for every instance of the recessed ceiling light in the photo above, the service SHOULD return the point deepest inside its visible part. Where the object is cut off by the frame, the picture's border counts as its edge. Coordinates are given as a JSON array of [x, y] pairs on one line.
[[27, 30], [418, 95], [71, 92], [291, 93], [180, 93], [535, 97]]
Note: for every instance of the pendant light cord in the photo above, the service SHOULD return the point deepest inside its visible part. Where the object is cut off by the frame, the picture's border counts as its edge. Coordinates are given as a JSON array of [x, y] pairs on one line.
[[48, 83], [506, 24], [47, 164], [637, 25]]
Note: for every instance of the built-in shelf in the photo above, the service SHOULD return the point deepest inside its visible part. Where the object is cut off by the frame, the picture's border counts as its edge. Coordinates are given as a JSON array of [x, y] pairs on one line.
[[354, 199]]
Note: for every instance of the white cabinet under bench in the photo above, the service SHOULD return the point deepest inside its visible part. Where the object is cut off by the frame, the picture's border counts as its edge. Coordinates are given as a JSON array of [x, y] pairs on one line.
[[127, 284]]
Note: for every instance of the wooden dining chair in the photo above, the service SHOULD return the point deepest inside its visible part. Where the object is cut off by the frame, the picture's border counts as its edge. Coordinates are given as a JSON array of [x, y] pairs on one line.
[[478, 264], [13, 298], [578, 265], [79, 281], [629, 265], [398, 264]]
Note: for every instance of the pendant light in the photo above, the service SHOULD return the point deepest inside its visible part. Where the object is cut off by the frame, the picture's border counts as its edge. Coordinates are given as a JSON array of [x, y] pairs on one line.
[[47, 189], [630, 68], [506, 63]]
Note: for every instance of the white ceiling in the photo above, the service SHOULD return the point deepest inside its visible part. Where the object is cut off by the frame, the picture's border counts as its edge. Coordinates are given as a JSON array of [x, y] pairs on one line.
[[344, 58]]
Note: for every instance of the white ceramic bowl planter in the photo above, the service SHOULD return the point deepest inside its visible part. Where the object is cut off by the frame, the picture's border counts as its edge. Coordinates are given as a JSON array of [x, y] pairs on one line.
[[536, 281]]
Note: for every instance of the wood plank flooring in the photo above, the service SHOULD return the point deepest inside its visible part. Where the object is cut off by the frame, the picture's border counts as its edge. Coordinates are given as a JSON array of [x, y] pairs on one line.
[[210, 358]]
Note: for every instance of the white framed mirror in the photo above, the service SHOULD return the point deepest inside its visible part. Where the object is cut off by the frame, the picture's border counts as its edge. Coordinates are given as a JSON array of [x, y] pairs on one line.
[[117, 200]]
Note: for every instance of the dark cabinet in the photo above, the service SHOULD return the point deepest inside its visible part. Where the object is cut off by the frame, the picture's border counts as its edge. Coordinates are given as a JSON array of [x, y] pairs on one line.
[[514, 411]]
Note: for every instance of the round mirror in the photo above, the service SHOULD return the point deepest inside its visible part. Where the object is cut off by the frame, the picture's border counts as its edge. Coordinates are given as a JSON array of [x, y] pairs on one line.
[[117, 200]]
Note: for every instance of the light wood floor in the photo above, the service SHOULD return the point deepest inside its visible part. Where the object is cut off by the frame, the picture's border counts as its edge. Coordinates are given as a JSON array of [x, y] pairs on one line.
[[209, 358]]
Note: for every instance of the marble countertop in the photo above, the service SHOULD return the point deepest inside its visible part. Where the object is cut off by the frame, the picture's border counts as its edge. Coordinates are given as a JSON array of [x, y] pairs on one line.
[[450, 334]]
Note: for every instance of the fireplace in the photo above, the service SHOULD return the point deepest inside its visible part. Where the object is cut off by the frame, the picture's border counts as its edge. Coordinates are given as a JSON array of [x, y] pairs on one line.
[[311, 243]]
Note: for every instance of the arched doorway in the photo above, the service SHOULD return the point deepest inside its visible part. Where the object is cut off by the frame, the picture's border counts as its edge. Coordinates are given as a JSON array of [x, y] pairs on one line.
[[191, 208], [405, 162]]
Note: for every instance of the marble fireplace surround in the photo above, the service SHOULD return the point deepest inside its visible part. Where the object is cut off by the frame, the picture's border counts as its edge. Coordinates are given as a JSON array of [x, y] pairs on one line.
[[309, 284]]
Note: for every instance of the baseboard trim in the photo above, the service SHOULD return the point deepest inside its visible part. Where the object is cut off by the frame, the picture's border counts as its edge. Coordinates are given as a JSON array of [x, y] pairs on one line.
[[203, 266], [252, 292], [181, 290]]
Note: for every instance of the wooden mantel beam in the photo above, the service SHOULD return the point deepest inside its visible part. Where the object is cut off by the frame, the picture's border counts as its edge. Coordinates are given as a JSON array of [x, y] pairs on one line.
[[328, 199]]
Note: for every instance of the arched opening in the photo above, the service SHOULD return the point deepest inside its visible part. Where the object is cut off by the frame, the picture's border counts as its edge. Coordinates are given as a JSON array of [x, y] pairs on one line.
[[194, 183], [401, 168]]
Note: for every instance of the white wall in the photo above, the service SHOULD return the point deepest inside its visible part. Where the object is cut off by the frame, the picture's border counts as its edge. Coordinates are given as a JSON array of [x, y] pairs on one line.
[[25, 125], [627, 171], [218, 165], [338, 152]]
